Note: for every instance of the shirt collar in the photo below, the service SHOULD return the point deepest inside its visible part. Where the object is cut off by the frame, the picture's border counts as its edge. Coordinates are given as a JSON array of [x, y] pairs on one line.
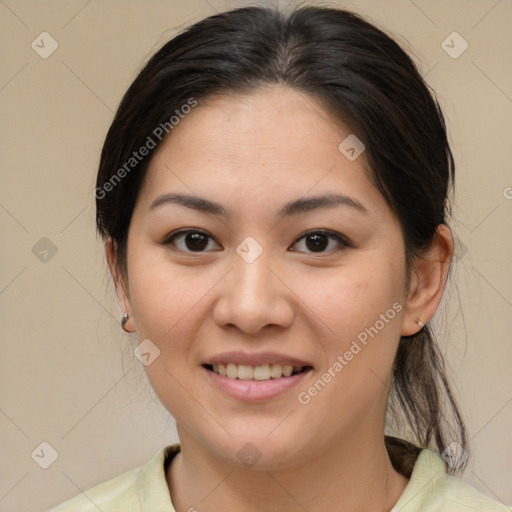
[[152, 486]]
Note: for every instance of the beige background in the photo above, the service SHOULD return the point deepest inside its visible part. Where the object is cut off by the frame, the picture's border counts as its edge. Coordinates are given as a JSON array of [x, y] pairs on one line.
[[68, 376]]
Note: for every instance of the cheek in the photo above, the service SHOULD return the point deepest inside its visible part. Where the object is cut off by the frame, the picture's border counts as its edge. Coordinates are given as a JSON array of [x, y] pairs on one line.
[[353, 298], [365, 315], [164, 297], [165, 301], [363, 310]]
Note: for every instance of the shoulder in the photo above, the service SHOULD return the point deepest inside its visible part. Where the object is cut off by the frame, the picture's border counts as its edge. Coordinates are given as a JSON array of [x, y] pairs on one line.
[[459, 495], [130, 491], [431, 489], [119, 491]]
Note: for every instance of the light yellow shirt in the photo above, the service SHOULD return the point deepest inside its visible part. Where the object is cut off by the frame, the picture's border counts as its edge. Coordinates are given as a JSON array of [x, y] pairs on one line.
[[144, 489]]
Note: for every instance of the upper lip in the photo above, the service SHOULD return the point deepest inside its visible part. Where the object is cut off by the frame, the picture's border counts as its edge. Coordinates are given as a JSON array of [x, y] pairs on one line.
[[256, 359]]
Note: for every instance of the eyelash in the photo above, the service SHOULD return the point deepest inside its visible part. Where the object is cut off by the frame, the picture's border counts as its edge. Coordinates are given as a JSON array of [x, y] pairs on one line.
[[342, 241]]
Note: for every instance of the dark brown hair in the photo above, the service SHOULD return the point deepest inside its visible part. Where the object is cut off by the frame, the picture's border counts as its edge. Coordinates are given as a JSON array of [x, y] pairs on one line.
[[364, 78]]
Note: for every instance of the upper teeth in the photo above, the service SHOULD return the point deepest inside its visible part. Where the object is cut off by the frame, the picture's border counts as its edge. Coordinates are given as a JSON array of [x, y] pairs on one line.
[[260, 372]]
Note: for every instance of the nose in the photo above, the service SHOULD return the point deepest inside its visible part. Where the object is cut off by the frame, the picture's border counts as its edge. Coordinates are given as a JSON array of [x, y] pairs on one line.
[[254, 296]]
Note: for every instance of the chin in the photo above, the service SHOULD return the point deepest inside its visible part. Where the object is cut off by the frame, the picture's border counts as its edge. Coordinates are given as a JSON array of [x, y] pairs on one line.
[[263, 452]]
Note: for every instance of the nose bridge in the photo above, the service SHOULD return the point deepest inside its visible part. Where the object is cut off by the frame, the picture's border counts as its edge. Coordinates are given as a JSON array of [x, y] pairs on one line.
[[252, 279], [253, 296]]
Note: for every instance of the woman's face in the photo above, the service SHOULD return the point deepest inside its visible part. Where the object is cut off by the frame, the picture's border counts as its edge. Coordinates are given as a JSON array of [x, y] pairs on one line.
[[255, 283]]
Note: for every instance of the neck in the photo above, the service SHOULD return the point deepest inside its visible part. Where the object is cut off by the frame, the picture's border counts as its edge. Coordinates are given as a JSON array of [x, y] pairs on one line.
[[356, 475]]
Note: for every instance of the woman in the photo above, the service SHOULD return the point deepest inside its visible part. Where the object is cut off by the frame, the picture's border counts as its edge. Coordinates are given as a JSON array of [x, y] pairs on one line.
[[273, 194]]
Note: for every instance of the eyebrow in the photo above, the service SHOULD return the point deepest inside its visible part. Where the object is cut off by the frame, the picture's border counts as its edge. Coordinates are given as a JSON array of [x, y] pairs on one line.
[[294, 207]]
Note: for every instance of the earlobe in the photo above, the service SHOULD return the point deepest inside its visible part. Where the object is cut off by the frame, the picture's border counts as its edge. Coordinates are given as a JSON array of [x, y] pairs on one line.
[[127, 322], [428, 281]]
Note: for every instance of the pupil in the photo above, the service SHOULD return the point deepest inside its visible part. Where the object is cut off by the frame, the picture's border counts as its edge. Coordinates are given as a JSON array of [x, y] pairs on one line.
[[319, 241], [196, 241]]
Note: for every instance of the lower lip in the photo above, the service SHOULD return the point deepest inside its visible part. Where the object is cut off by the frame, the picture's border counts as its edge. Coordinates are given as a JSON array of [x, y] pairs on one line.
[[255, 390]]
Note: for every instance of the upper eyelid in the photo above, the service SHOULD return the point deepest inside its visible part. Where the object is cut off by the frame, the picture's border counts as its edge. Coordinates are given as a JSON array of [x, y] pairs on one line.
[[168, 239], [327, 232], [341, 239]]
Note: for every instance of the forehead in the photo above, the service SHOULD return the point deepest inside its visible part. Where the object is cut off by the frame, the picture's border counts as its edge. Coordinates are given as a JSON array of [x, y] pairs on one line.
[[271, 143]]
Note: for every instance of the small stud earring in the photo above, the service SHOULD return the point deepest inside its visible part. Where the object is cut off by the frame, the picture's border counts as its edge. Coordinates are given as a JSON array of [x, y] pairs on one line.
[[420, 323], [124, 319]]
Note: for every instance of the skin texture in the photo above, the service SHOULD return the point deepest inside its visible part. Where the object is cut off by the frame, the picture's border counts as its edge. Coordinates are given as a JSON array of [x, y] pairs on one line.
[[253, 153]]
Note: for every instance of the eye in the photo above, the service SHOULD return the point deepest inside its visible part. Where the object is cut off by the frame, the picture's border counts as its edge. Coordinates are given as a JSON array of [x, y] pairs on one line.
[[194, 240], [189, 240], [317, 241]]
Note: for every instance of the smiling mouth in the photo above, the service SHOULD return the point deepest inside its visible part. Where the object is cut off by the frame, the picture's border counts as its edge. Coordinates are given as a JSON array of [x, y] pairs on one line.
[[259, 372]]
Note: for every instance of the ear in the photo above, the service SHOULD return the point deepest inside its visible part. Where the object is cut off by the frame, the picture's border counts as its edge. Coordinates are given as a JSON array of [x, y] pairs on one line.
[[121, 287], [428, 280]]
